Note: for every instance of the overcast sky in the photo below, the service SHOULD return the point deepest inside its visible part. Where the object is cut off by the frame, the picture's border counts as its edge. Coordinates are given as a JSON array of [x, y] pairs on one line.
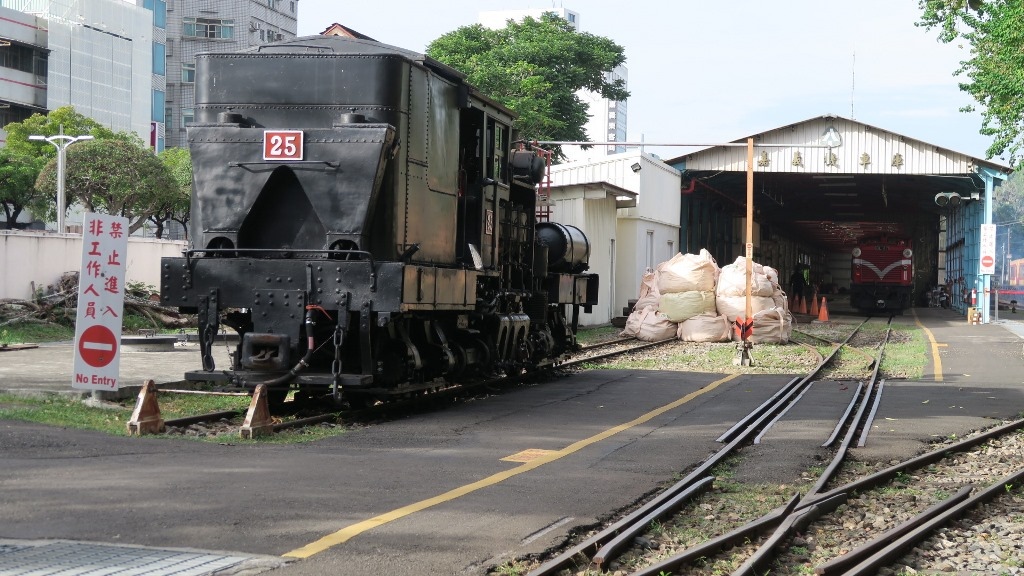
[[709, 72]]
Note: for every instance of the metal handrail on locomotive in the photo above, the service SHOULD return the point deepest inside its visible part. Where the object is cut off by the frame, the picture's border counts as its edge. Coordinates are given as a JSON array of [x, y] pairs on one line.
[[882, 274], [364, 220]]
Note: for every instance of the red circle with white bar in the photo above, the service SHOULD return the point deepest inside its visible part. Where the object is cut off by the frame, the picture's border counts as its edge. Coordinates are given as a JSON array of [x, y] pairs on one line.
[[988, 261], [97, 346]]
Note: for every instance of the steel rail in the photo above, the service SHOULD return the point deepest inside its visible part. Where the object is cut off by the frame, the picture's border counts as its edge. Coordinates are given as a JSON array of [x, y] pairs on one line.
[[857, 555], [886, 555], [719, 543], [742, 432], [616, 544], [189, 420]]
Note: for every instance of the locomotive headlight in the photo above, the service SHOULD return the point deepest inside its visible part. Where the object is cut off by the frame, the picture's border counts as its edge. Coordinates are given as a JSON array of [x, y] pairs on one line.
[[856, 252], [907, 252]]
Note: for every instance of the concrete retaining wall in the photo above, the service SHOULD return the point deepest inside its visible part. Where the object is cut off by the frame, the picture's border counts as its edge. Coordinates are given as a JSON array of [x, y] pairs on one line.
[[36, 258]]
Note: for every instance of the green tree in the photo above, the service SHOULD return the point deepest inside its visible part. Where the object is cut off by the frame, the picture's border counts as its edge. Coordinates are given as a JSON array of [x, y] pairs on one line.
[[995, 71], [73, 123], [535, 67], [114, 176], [18, 173], [178, 207]]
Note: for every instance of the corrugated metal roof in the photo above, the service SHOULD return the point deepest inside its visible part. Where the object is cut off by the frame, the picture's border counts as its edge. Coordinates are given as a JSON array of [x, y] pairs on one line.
[[833, 180]]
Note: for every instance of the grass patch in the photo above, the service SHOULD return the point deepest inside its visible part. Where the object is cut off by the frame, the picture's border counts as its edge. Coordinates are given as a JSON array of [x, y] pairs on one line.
[[905, 354], [587, 336], [33, 332], [66, 413], [113, 418]]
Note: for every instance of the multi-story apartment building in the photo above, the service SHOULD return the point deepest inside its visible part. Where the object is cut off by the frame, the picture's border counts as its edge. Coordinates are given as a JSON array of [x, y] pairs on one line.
[[196, 26], [607, 117], [23, 64]]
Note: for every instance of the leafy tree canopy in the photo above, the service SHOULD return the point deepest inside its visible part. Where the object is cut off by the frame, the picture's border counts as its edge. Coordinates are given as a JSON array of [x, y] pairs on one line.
[[18, 174], [74, 124], [535, 67], [114, 176], [177, 207], [995, 71]]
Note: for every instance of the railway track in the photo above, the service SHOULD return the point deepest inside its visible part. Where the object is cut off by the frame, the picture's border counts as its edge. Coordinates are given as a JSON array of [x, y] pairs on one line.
[[757, 546]]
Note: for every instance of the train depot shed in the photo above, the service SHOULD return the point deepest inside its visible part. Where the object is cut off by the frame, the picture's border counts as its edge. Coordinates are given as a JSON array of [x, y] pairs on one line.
[[822, 184]]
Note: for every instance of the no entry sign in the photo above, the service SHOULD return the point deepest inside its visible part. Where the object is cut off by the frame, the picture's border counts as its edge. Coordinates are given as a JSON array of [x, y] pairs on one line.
[[100, 302]]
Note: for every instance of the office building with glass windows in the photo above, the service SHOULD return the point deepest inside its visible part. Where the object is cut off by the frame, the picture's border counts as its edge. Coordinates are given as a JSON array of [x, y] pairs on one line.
[[100, 59]]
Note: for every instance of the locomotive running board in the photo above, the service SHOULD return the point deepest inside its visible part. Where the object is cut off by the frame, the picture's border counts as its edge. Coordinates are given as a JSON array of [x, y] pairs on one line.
[[251, 379]]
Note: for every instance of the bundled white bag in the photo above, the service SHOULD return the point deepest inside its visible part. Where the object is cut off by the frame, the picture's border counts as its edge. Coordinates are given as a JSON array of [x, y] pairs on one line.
[[649, 294], [733, 306], [772, 326], [649, 326], [732, 281], [679, 306], [705, 328], [688, 272]]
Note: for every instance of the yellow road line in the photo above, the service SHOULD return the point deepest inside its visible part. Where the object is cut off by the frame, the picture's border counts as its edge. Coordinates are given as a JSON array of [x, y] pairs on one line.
[[345, 534], [935, 347]]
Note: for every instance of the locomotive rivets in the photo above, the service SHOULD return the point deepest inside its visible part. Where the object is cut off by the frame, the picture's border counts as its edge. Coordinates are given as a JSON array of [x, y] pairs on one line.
[[268, 278]]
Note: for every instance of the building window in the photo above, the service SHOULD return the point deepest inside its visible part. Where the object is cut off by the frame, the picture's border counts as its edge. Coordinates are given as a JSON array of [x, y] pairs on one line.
[[650, 249], [158, 105], [167, 114], [159, 59], [188, 73], [188, 115], [159, 8], [291, 8], [209, 28], [18, 57]]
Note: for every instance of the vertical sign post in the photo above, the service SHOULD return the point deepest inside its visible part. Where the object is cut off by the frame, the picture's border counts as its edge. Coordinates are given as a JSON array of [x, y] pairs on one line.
[[100, 302]]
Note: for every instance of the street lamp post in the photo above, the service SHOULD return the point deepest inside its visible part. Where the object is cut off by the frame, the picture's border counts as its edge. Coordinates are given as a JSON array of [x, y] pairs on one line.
[[61, 142]]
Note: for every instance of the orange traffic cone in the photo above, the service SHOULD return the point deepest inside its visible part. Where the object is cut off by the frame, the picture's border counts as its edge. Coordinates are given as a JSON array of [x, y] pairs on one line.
[[801, 306], [823, 311], [814, 306]]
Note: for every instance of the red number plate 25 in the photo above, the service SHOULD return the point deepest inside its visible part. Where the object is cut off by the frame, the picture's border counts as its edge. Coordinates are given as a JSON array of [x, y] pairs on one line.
[[282, 144]]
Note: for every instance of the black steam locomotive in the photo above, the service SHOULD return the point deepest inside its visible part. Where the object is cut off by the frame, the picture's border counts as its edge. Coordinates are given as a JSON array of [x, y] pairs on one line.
[[364, 220]]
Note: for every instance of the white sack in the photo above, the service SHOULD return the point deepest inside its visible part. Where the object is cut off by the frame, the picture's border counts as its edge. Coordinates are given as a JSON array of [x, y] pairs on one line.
[[679, 306], [732, 281], [772, 326], [705, 328], [649, 326], [733, 306], [649, 294], [688, 272]]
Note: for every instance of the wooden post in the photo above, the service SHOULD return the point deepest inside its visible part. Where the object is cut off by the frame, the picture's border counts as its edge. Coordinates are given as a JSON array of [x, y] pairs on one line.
[[745, 326]]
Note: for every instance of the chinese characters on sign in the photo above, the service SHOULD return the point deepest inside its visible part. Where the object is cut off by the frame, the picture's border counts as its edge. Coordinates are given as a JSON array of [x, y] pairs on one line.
[[100, 302], [988, 249]]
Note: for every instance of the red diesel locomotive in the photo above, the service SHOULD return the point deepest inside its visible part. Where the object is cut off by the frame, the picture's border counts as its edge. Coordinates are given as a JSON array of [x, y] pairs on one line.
[[882, 275]]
